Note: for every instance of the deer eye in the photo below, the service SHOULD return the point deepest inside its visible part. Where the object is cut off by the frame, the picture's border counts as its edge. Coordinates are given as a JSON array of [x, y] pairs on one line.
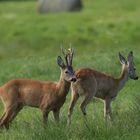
[[66, 72]]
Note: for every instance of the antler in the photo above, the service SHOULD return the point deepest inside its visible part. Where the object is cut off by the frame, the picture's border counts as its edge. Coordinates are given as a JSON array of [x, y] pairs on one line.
[[65, 54], [70, 53]]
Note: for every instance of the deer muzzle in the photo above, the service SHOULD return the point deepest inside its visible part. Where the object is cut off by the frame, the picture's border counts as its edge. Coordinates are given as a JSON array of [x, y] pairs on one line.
[[73, 79]]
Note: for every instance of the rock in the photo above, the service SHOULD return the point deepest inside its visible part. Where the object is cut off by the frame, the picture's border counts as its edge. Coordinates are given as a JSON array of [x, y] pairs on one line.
[[59, 5]]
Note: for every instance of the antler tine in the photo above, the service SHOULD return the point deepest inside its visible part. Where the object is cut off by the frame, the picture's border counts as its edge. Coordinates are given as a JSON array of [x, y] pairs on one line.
[[72, 52], [70, 55], [65, 54]]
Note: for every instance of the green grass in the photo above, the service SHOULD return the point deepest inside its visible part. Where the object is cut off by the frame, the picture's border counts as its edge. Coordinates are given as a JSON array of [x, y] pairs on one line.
[[30, 44]]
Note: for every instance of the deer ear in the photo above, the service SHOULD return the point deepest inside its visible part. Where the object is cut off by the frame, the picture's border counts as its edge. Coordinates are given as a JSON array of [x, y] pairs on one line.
[[130, 56], [122, 59], [60, 62]]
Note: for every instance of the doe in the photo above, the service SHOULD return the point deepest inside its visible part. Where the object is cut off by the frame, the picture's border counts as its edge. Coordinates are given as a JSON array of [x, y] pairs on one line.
[[91, 83]]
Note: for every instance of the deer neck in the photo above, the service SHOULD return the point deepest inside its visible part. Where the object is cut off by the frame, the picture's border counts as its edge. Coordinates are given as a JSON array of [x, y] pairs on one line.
[[63, 86], [121, 80]]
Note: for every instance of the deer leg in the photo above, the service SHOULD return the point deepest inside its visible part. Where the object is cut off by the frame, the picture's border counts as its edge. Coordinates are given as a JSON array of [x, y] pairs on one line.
[[84, 103], [45, 116], [2, 116], [5, 120], [72, 104], [107, 109], [45, 108], [56, 114], [45, 112], [9, 115], [14, 113]]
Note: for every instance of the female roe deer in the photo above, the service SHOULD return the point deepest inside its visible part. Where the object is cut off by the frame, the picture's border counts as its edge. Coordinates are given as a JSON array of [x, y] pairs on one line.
[[46, 95], [92, 83]]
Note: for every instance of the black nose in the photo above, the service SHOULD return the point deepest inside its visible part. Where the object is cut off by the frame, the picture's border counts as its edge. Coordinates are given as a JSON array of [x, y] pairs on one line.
[[73, 80]]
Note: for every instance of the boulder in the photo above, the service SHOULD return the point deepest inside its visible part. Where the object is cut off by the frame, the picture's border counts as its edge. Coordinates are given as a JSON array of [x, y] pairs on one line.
[[59, 5]]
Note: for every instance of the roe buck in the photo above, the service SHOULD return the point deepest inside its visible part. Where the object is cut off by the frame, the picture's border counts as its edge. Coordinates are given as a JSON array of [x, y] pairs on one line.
[[92, 83], [46, 95]]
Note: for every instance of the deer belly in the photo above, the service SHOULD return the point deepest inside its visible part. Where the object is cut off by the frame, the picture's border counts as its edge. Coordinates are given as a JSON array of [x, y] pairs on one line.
[[100, 94], [34, 102]]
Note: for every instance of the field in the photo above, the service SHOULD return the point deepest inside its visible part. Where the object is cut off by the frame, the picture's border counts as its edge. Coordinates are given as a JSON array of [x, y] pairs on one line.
[[30, 44]]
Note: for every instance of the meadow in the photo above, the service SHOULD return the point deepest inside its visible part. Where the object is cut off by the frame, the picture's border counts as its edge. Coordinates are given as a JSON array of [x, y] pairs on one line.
[[30, 43]]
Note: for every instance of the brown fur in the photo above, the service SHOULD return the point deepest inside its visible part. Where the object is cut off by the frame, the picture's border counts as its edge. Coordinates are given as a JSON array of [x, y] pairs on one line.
[[46, 95], [33, 92], [91, 83]]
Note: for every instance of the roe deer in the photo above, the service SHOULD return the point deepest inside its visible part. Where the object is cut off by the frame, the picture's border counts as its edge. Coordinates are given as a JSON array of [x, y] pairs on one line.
[[91, 83], [46, 95]]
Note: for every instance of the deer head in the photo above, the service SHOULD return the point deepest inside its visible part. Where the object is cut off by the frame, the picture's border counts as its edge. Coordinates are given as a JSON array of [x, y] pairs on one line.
[[129, 64], [67, 69]]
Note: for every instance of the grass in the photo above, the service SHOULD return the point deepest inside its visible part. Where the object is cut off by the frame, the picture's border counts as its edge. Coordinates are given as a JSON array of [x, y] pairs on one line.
[[30, 43]]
